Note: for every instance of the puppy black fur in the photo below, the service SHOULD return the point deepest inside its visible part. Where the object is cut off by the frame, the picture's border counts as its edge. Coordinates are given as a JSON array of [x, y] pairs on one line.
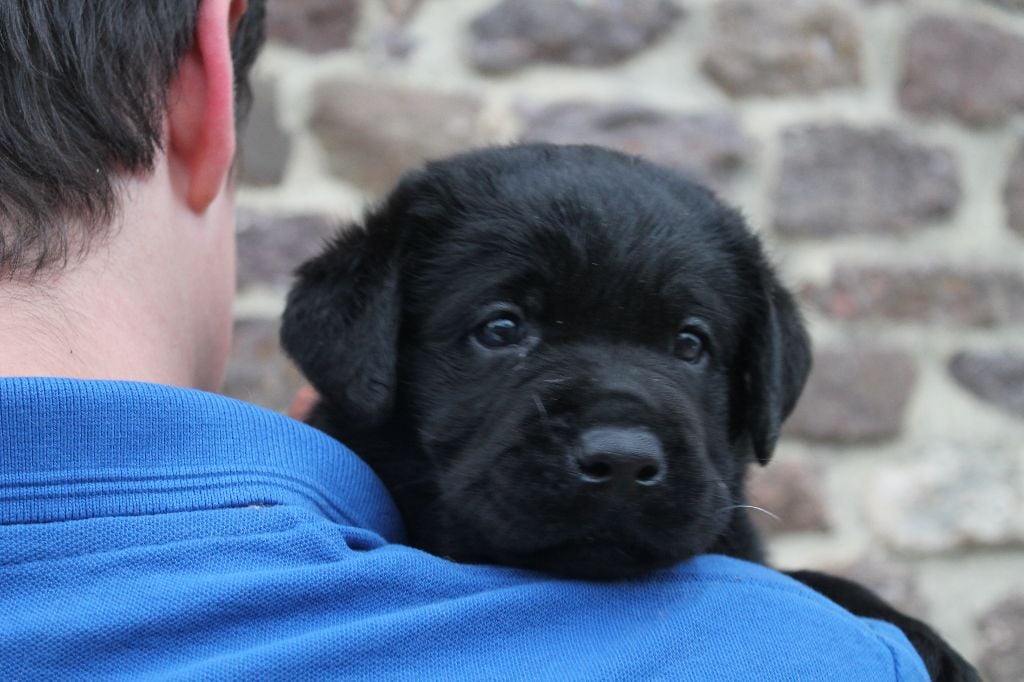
[[559, 358]]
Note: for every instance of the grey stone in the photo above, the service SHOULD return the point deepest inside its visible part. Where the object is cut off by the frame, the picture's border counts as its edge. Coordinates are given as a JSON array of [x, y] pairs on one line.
[[854, 394], [264, 147], [964, 69], [372, 133], [938, 294], [997, 378], [1001, 631], [837, 180], [1015, 5], [272, 245], [892, 580], [313, 25], [258, 372], [1013, 192], [516, 33], [792, 490], [395, 42], [783, 47], [951, 498], [708, 147]]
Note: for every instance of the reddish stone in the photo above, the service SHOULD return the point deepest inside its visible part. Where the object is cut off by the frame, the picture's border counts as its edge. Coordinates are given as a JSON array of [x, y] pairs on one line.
[[783, 47], [934, 294], [272, 245], [793, 491], [838, 180], [373, 132], [518, 32], [893, 581], [258, 372], [854, 394], [964, 69], [313, 25], [1002, 641], [710, 148]]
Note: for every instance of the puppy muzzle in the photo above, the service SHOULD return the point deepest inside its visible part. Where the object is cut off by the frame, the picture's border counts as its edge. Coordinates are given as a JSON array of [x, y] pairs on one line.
[[624, 458]]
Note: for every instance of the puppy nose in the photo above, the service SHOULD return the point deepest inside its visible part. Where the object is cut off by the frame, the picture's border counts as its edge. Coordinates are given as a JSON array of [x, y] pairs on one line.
[[625, 456]]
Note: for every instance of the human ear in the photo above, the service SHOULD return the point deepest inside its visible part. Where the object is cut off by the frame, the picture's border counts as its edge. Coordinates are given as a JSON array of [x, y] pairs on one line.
[[201, 105]]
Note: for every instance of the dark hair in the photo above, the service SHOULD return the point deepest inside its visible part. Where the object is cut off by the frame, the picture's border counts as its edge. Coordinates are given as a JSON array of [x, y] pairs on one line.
[[84, 88]]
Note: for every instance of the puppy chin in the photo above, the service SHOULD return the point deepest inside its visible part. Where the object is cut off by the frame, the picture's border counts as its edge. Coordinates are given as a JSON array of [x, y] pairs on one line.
[[596, 558], [614, 559], [611, 546]]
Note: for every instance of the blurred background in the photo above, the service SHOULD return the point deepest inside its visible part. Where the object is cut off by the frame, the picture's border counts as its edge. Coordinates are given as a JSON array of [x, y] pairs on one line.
[[878, 146]]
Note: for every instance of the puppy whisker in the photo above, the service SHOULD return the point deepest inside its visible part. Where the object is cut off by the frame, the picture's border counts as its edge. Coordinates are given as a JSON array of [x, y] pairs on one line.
[[750, 506], [540, 408]]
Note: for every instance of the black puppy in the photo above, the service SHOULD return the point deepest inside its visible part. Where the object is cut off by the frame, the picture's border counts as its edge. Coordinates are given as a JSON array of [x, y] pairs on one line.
[[560, 358]]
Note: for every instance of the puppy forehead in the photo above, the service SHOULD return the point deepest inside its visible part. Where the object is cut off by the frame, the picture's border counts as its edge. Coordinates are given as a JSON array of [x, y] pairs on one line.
[[586, 254]]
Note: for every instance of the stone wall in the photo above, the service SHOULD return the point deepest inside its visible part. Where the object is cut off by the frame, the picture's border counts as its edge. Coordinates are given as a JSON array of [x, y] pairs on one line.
[[878, 146]]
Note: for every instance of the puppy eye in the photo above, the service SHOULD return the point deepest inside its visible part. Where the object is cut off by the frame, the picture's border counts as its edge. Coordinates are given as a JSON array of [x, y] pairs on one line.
[[501, 331], [688, 346]]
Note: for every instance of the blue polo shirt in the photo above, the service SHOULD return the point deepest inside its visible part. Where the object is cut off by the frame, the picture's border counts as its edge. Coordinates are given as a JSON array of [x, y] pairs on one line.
[[148, 531]]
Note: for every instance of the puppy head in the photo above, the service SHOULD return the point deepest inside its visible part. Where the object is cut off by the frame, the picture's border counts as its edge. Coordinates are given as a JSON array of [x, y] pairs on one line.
[[586, 349]]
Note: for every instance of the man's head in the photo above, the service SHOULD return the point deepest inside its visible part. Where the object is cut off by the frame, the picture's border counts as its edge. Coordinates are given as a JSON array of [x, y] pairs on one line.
[[86, 86], [117, 142]]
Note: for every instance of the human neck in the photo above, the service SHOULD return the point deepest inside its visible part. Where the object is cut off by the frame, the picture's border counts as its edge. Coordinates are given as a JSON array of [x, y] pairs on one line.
[[52, 328], [142, 305]]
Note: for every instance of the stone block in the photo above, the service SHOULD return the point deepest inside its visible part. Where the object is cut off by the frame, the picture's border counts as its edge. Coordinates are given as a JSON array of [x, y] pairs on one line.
[[963, 69], [313, 25], [791, 489], [951, 498], [836, 180], [516, 33], [264, 147], [1014, 5], [271, 245], [938, 294], [373, 132], [782, 48], [996, 378], [258, 371], [1013, 192], [1001, 630], [708, 147], [892, 580], [855, 394]]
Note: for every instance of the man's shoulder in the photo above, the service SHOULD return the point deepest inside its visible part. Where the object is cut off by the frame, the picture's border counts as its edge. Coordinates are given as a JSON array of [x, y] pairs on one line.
[[193, 534], [76, 449], [281, 588]]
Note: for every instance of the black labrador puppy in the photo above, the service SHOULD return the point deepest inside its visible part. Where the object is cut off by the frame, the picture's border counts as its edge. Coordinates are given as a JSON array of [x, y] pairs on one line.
[[561, 358]]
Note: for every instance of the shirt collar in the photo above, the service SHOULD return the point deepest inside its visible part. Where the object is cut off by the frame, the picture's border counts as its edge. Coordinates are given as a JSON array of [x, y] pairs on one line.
[[75, 449]]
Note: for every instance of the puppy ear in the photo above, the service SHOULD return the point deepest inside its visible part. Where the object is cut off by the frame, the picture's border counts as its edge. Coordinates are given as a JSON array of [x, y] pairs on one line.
[[340, 325], [780, 360]]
